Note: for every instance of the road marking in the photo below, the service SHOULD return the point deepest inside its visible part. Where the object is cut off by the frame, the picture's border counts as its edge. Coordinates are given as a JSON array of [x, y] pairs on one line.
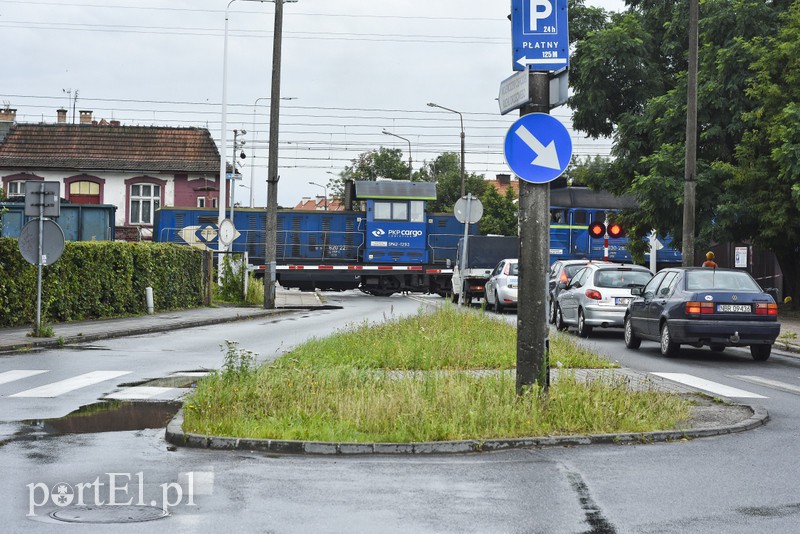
[[19, 374], [140, 393], [709, 386], [70, 384], [774, 384]]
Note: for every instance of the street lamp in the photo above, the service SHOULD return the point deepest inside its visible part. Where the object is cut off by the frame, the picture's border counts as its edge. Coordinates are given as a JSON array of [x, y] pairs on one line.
[[325, 187], [410, 172], [253, 149], [461, 117], [224, 137]]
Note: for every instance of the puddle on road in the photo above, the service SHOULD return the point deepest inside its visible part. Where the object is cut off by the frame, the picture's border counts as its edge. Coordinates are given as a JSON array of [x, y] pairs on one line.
[[110, 416]]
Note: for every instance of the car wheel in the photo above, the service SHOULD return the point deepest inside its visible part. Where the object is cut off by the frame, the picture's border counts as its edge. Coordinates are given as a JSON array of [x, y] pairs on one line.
[[668, 347], [497, 306], [717, 348], [560, 324], [551, 311], [584, 330], [760, 353], [631, 340]]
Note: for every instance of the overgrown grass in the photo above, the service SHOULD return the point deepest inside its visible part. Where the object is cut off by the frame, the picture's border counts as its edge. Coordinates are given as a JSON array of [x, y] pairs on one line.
[[446, 339], [414, 379]]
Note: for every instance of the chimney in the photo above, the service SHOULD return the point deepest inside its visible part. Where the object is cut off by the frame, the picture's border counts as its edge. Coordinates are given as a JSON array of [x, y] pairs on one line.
[[86, 117], [62, 116], [8, 115], [114, 123], [504, 179]]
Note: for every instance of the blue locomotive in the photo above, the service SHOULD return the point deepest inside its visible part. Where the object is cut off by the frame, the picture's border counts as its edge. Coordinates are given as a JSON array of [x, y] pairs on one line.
[[393, 245]]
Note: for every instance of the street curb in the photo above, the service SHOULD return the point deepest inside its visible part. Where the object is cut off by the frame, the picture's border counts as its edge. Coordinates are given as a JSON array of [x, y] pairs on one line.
[[60, 341], [175, 435]]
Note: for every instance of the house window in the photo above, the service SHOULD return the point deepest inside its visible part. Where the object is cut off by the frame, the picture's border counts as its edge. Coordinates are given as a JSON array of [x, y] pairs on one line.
[[16, 188], [84, 192], [145, 200], [214, 202]]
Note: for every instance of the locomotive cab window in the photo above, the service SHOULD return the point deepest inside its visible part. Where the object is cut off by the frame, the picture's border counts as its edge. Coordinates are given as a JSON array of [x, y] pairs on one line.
[[391, 211], [580, 218]]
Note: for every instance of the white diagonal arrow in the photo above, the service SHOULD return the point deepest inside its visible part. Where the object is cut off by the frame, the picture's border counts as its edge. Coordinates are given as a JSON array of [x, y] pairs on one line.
[[546, 156]]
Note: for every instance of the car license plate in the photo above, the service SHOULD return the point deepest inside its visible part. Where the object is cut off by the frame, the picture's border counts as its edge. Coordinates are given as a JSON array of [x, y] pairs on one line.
[[735, 308], [623, 301]]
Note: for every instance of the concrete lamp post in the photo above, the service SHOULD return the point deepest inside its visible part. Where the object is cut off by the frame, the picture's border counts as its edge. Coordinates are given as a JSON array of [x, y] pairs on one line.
[[410, 171], [461, 118]]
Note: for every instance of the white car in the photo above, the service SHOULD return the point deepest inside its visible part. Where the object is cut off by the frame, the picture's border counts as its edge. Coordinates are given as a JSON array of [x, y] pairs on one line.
[[501, 288]]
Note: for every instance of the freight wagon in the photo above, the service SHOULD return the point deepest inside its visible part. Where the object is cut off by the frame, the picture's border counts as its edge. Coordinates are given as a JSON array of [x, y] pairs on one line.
[[80, 222]]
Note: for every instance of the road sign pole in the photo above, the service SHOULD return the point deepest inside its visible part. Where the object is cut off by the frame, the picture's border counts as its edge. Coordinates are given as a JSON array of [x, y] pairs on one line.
[[39, 263], [533, 344], [464, 249]]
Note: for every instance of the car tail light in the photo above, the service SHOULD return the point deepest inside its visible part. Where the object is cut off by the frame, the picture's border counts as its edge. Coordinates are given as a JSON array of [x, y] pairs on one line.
[[699, 308], [564, 277], [762, 308], [593, 294]]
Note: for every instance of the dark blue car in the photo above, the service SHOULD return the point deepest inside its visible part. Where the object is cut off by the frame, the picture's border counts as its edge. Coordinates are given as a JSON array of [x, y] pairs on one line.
[[697, 306]]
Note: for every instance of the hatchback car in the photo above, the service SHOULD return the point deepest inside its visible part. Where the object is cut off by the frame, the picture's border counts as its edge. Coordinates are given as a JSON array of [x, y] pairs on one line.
[[501, 288], [560, 271], [598, 295], [697, 306]]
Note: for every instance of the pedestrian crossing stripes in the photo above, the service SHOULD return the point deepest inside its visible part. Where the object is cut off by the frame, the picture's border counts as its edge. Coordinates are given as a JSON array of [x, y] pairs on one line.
[[157, 391], [11, 376], [70, 384], [710, 387], [774, 384]]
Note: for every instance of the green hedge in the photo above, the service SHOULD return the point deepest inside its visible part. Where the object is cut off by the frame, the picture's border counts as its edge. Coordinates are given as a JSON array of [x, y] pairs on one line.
[[93, 280]]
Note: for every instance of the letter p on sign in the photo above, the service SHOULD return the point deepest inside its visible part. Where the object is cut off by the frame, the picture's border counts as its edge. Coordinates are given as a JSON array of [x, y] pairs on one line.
[[539, 10]]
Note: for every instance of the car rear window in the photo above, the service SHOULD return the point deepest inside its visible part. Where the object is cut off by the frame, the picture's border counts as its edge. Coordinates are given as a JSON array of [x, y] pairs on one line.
[[572, 269], [725, 280], [513, 269], [621, 278]]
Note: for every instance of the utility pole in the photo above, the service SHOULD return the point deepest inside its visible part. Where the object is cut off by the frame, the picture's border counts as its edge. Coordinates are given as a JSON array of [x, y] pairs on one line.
[[271, 244], [533, 343], [690, 170]]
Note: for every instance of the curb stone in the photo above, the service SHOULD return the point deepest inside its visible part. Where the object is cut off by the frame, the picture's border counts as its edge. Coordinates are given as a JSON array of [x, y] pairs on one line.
[[176, 436]]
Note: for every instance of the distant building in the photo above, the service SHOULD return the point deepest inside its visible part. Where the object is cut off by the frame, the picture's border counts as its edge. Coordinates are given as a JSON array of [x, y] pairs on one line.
[[136, 168], [503, 181], [319, 203]]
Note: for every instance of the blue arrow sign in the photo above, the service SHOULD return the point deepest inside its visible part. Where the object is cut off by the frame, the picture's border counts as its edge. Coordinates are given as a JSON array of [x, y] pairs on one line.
[[539, 34], [538, 148]]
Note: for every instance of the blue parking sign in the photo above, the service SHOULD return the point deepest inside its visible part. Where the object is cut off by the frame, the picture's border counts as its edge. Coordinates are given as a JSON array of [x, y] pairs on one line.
[[538, 148], [539, 34]]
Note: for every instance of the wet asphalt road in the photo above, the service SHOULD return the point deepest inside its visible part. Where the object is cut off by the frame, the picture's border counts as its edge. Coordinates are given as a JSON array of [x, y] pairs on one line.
[[741, 483]]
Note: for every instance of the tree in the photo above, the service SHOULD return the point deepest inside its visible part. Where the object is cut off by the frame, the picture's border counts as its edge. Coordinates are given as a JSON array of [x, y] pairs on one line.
[[445, 171], [380, 163], [499, 212], [630, 82], [762, 195]]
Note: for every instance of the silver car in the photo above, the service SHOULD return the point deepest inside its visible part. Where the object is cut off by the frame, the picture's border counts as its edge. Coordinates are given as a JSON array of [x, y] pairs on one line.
[[598, 295], [501, 288]]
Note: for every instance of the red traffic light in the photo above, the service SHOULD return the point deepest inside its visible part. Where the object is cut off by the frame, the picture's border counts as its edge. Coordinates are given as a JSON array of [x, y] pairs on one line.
[[615, 230], [597, 230]]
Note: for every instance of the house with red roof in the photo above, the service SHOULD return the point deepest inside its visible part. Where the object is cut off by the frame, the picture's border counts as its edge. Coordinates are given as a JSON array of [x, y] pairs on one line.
[[136, 168]]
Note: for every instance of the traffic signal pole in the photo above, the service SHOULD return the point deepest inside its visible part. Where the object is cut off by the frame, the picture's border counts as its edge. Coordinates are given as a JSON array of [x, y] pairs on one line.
[[533, 343]]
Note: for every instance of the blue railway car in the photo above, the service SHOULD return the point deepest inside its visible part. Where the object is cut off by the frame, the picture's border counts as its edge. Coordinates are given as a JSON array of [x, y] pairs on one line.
[[573, 209], [80, 222]]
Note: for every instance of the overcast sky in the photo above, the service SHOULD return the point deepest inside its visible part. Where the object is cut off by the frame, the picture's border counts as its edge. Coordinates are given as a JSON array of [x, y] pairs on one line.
[[351, 68]]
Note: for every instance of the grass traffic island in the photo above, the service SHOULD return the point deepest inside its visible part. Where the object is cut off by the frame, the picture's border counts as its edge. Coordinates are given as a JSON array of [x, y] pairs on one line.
[[435, 376]]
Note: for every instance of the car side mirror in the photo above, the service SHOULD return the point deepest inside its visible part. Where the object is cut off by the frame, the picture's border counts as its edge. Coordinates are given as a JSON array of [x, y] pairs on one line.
[[562, 285], [636, 291]]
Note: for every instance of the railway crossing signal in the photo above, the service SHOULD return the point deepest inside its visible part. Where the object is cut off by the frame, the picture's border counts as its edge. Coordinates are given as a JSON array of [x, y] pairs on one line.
[[598, 230]]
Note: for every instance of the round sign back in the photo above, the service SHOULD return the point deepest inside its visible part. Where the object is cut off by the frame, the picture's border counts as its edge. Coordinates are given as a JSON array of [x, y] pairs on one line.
[[52, 242], [475, 210]]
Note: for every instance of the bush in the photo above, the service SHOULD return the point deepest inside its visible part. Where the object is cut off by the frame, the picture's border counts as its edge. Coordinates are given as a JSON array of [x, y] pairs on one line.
[[93, 280]]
